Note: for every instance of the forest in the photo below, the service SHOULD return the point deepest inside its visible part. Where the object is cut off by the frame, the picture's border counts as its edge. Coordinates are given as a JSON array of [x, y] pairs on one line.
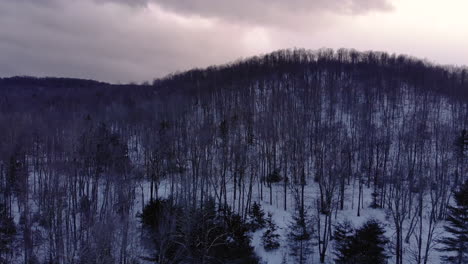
[[297, 156]]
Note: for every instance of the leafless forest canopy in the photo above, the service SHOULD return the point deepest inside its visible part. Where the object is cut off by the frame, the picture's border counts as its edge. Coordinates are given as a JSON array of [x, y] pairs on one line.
[[83, 163]]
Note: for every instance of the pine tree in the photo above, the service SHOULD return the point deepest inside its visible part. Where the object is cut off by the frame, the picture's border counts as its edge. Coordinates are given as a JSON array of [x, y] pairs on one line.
[[7, 234], [274, 177], [365, 246], [457, 242], [300, 236], [375, 202], [257, 217], [342, 235], [161, 231], [369, 243], [270, 237], [236, 247]]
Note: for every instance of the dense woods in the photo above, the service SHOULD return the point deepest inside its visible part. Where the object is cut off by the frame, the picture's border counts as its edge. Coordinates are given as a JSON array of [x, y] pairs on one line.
[[168, 172]]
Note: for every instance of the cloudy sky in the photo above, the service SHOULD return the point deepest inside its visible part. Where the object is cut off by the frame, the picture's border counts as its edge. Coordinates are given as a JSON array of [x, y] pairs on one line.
[[137, 40]]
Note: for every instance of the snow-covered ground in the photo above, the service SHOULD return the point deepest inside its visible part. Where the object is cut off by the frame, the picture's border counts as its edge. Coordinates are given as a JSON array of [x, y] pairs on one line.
[[283, 220]]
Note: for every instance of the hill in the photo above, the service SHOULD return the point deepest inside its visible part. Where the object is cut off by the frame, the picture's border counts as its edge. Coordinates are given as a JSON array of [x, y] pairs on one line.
[[319, 136]]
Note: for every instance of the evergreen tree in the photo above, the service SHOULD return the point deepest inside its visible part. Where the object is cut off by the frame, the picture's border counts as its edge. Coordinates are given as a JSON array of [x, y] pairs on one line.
[[7, 234], [366, 246], [257, 217], [235, 248], [162, 231], [342, 235], [194, 235], [375, 198], [369, 243], [457, 226], [274, 177], [300, 236], [270, 237]]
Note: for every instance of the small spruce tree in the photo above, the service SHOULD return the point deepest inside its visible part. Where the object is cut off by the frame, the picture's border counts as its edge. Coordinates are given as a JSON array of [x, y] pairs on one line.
[[342, 235], [257, 217], [375, 202], [274, 177], [7, 235], [300, 236], [457, 226], [270, 237]]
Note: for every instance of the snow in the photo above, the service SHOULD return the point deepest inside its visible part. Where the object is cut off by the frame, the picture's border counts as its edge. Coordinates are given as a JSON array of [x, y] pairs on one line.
[[283, 219]]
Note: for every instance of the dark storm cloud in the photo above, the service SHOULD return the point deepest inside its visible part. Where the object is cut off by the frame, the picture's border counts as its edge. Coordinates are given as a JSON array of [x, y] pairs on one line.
[[136, 40], [264, 12], [105, 42]]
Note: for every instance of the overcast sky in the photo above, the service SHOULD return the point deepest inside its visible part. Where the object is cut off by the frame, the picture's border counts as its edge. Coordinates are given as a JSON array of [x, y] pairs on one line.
[[138, 40]]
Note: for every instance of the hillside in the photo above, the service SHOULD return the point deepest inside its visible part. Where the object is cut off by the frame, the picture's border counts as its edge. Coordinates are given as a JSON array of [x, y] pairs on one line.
[[314, 137]]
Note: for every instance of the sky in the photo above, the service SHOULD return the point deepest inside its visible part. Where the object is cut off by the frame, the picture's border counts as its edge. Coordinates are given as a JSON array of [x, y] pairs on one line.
[[123, 41]]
